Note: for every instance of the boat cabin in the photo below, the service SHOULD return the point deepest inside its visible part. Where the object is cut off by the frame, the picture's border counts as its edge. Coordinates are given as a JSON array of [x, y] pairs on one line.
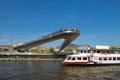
[[88, 59]]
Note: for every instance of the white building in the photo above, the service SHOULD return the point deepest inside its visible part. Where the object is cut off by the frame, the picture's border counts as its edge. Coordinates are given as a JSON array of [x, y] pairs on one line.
[[102, 47]]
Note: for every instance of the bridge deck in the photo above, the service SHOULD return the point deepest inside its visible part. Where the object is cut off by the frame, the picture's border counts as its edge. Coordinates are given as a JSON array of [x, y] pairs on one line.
[[68, 34]]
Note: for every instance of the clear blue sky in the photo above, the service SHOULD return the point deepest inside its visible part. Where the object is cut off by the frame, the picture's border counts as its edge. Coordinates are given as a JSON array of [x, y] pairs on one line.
[[26, 20]]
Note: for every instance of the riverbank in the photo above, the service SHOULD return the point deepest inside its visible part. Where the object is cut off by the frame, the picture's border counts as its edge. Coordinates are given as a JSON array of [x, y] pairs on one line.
[[30, 56]]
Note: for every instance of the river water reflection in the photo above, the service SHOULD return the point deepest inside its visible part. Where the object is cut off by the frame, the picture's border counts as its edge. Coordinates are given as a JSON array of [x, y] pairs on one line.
[[54, 70]]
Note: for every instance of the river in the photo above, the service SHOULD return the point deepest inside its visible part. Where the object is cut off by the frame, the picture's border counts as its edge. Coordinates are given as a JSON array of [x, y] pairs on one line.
[[54, 70]]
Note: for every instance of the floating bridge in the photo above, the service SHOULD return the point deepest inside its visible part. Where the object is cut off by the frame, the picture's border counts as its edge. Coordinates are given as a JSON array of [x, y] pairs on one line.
[[67, 34]]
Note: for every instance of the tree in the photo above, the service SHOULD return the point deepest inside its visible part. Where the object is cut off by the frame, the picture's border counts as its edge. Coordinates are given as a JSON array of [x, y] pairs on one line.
[[113, 48], [51, 50]]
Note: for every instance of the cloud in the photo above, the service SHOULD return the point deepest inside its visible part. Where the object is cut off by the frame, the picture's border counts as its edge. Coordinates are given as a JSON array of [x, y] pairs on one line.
[[5, 41]]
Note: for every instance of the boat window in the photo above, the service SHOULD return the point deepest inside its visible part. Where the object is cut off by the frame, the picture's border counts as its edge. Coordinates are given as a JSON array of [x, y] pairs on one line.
[[69, 58], [84, 58], [79, 58], [98, 51], [109, 58], [114, 58], [73, 58], [88, 51], [85, 51], [118, 58], [93, 51], [100, 58], [105, 58], [81, 51]]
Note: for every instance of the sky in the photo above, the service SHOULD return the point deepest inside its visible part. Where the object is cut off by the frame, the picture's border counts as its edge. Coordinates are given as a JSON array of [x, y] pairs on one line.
[[26, 20]]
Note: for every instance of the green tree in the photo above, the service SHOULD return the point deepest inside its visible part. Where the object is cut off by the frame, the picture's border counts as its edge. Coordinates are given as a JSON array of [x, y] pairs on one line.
[[51, 50], [113, 48]]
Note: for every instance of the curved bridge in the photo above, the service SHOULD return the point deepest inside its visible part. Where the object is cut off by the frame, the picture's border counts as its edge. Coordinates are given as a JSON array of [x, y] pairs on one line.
[[68, 34]]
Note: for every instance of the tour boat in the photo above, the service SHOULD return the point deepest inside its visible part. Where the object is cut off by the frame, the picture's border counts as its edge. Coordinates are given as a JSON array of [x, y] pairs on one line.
[[92, 59]]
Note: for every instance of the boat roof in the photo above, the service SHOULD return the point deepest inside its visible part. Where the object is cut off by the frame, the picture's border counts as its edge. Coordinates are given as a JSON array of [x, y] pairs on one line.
[[95, 55]]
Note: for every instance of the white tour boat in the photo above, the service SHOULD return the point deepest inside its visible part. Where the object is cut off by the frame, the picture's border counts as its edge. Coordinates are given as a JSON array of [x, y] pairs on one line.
[[92, 59]]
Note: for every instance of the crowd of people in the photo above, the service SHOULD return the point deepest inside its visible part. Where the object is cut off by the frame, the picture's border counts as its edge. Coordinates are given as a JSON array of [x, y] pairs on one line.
[[60, 31]]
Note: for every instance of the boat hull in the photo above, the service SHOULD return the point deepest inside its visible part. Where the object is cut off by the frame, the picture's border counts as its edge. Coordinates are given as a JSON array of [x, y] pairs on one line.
[[88, 64]]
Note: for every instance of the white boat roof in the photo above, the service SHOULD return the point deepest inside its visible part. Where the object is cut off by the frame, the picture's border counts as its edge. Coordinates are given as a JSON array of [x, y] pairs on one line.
[[95, 54]]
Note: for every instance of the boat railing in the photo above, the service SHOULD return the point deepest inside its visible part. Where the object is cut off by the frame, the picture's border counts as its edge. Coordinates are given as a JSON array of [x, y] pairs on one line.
[[100, 51]]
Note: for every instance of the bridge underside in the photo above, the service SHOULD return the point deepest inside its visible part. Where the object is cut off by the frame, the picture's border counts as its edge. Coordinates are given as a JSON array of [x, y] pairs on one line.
[[68, 35]]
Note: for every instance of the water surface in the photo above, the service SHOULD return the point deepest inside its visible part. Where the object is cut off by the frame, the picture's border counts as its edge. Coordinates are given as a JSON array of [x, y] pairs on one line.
[[54, 70]]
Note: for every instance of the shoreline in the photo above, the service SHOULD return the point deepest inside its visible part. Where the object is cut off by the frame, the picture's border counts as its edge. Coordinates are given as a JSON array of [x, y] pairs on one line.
[[30, 57]]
